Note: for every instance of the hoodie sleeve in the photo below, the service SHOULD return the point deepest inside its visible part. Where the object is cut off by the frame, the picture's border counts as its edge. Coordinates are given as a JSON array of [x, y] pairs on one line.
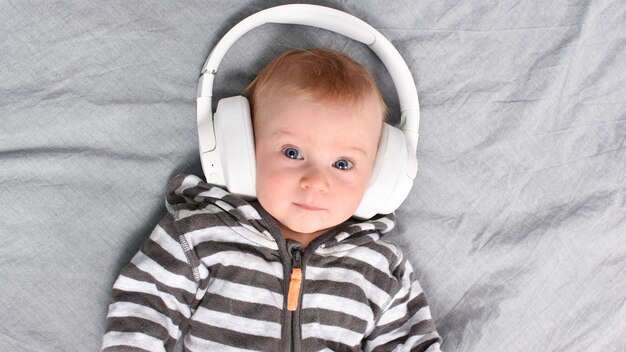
[[406, 323], [153, 297]]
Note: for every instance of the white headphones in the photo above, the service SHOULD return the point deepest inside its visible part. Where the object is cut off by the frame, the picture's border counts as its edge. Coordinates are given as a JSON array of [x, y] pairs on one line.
[[227, 141]]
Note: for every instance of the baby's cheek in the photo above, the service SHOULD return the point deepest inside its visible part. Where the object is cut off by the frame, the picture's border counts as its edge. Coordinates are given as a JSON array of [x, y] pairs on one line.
[[356, 183], [271, 188], [354, 193]]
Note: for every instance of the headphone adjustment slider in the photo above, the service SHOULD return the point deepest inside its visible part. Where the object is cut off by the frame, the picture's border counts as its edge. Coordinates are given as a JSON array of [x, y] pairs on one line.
[[205, 85]]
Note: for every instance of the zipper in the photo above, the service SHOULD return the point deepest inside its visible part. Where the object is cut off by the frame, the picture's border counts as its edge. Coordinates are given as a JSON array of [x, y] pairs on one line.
[[295, 283], [299, 258], [294, 293]]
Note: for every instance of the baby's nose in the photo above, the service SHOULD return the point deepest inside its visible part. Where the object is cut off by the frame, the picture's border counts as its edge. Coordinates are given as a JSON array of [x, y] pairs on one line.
[[314, 180]]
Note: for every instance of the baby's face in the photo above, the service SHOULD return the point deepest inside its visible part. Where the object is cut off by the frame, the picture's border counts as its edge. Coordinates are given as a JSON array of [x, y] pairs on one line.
[[314, 160]]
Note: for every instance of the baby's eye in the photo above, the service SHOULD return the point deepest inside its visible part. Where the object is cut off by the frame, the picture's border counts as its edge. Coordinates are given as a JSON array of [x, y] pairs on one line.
[[343, 164], [292, 153]]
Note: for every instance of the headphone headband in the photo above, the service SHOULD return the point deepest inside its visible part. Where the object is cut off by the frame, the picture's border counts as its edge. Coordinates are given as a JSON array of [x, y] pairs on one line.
[[334, 21]]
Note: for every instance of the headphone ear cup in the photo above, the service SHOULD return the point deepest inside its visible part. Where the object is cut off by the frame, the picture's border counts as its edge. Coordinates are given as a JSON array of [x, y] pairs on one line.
[[389, 184], [235, 143]]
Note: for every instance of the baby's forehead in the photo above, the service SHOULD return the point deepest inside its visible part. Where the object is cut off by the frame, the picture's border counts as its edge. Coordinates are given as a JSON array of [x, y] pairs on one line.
[[296, 119]]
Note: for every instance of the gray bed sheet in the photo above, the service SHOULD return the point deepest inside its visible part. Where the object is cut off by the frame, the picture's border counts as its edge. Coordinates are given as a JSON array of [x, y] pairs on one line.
[[516, 223]]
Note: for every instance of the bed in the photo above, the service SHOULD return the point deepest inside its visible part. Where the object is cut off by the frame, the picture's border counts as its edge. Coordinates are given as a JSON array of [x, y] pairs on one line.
[[516, 223]]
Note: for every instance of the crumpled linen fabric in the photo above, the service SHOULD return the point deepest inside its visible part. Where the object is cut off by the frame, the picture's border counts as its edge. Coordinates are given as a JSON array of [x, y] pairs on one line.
[[516, 224]]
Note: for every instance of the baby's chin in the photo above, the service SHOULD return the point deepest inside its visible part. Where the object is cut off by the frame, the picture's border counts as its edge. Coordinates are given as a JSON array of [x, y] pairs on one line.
[[304, 229]]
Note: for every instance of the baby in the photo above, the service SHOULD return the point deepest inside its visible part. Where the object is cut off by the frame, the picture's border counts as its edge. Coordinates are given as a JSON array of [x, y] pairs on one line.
[[291, 271]]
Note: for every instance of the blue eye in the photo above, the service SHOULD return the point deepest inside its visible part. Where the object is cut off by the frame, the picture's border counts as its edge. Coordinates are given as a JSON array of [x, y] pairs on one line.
[[343, 164], [292, 153]]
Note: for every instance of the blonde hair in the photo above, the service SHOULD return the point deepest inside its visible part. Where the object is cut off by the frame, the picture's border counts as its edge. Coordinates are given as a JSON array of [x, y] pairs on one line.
[[321, 74]]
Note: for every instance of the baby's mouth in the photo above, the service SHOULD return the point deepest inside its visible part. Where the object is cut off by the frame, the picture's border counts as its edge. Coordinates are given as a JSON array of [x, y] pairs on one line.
[[308, 207]]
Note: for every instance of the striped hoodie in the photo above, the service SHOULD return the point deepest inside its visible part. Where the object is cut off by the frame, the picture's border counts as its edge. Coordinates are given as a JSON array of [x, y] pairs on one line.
[[217, 273]]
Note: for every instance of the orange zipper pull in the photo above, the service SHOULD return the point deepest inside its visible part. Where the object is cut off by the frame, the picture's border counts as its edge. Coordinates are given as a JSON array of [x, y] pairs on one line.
[[295, 285], [294, 289]]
